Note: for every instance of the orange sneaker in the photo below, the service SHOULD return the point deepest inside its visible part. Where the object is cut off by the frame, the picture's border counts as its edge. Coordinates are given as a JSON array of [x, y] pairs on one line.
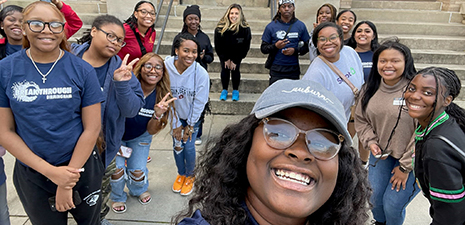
[[188, 186], [177, 186]]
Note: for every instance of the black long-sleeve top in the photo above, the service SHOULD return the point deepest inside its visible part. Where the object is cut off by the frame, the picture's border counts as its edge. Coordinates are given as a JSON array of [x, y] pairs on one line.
[[232, 46]]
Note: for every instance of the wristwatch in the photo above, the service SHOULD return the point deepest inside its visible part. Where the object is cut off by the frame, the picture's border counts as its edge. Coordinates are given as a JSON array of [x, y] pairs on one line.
[[402, 169]]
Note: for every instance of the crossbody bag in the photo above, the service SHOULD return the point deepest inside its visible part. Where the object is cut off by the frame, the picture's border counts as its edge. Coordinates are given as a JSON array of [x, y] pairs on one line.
[[272, 55], [354, 89]]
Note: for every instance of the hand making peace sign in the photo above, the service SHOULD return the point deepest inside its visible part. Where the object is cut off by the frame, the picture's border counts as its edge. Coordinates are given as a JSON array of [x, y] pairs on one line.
[[124, 73], [162, 106]]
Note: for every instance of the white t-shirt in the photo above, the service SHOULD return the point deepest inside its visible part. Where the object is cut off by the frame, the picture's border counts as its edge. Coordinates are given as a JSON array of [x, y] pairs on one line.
[[349, 63]]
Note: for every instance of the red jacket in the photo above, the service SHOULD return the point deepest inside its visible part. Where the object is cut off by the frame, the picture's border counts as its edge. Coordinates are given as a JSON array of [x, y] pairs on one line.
[[73, 22], [132, 46]]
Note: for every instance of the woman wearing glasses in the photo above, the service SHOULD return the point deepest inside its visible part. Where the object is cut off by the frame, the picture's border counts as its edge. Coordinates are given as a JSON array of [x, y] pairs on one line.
[[140, 31], [152, 118], [328, 38], [11, 18], [50, 120], [122, 91], [289, 162]]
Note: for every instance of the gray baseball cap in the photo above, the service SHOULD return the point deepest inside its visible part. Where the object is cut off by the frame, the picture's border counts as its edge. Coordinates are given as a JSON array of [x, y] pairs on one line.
[[284, 94]]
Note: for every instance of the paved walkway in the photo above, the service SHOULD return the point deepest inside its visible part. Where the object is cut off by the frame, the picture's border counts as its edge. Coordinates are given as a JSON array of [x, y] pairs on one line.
[[165, 203]]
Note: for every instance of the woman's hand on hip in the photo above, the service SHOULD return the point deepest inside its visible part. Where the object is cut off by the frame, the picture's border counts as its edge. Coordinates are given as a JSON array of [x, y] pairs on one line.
[[398, 179], [124, 72]]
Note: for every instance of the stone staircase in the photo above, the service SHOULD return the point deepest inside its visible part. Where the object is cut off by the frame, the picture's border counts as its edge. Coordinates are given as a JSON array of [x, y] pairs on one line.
[[437, 38]]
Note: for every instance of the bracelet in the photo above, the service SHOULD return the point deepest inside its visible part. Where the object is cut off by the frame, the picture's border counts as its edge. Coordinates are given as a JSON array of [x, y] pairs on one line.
[[402, 169], [155, 117]]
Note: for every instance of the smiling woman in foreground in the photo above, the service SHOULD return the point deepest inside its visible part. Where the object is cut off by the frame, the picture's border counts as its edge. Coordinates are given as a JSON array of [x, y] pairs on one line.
[[288, 162]]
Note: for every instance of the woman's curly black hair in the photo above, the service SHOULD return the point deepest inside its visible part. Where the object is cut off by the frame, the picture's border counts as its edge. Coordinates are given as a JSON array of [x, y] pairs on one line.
[[221, 182]]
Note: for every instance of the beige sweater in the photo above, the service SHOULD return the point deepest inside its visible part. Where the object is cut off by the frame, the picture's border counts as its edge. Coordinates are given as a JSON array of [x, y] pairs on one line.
[[374, 125]]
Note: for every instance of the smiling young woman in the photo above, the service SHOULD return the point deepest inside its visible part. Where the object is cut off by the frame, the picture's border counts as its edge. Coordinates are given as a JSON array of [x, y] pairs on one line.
[[289, 162], [140, 31], [439, 142], [11, 18], [232, 42], [190, 84], [330, 46], [381, 104], [56, 164]]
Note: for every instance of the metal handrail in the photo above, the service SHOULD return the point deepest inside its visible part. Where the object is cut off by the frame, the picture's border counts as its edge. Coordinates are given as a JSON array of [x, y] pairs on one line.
[[164, 23], [272, 5]]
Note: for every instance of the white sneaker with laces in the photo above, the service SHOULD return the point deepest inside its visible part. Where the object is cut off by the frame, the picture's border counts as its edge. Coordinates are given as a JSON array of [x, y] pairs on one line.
[[198, 141]]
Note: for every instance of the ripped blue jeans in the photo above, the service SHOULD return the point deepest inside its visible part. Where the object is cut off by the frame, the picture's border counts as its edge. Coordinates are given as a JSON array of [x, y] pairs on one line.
[[137, 162], [185, 158]]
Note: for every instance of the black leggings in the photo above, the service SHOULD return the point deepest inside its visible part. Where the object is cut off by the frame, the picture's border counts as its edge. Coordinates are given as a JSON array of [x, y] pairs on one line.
[[235, 76], [34, 190]]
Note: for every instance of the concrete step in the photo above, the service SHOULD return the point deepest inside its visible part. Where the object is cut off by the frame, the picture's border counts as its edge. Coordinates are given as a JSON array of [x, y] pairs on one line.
[[438, 56], [171, 32], [250, 83], [408, 15], [243, 3], [401, 5], [439, 42], [420, 28], [419, 55], [217, 12], [242, 107], [210, 23]]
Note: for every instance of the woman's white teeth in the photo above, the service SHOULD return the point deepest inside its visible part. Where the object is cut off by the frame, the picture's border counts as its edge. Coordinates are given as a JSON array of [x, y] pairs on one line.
[[415, 106], [294, 177]]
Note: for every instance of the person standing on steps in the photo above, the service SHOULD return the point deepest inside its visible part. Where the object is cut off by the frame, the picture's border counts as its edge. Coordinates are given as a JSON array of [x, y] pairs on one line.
[[326, 13], [284, 39], [140, 31], [346, 20], [232, 42], [131, 163], [192, 18], [190, 85], [386, 131], [57, 169], [123, 94]]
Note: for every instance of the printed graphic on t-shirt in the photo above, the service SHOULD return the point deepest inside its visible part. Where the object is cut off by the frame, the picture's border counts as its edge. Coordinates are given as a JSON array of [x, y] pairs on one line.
[[367, 64], [281, 33], [146, 112], [28, 91], [348, 75]]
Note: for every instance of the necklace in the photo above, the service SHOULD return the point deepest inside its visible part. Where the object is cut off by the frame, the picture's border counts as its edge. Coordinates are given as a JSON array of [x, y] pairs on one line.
[[44, 76]]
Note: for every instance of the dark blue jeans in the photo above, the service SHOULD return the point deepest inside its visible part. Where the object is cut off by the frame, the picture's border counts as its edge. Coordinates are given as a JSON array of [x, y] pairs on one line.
[[389, 205]]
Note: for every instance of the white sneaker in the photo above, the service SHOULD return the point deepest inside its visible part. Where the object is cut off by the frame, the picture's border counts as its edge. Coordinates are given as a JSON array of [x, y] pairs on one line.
[[198, 141]]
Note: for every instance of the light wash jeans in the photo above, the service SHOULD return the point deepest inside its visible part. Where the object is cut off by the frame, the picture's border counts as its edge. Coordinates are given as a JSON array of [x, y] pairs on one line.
[[138, 161], [4, 215], [185, 158], [389, 205]]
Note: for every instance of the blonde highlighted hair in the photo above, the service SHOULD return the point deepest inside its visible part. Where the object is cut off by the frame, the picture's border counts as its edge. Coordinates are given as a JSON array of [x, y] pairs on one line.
[[29, 8], [163, 86], [224, 24]]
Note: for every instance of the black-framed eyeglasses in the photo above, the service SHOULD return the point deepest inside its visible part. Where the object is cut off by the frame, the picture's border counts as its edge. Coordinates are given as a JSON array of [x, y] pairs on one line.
[[145, 12], [38, 26], [331, 38], [148, 67], [112, 37], [322, 143]]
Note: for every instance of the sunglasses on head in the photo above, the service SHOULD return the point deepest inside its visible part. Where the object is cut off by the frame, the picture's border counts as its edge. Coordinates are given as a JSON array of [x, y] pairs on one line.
[[322, 143]]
